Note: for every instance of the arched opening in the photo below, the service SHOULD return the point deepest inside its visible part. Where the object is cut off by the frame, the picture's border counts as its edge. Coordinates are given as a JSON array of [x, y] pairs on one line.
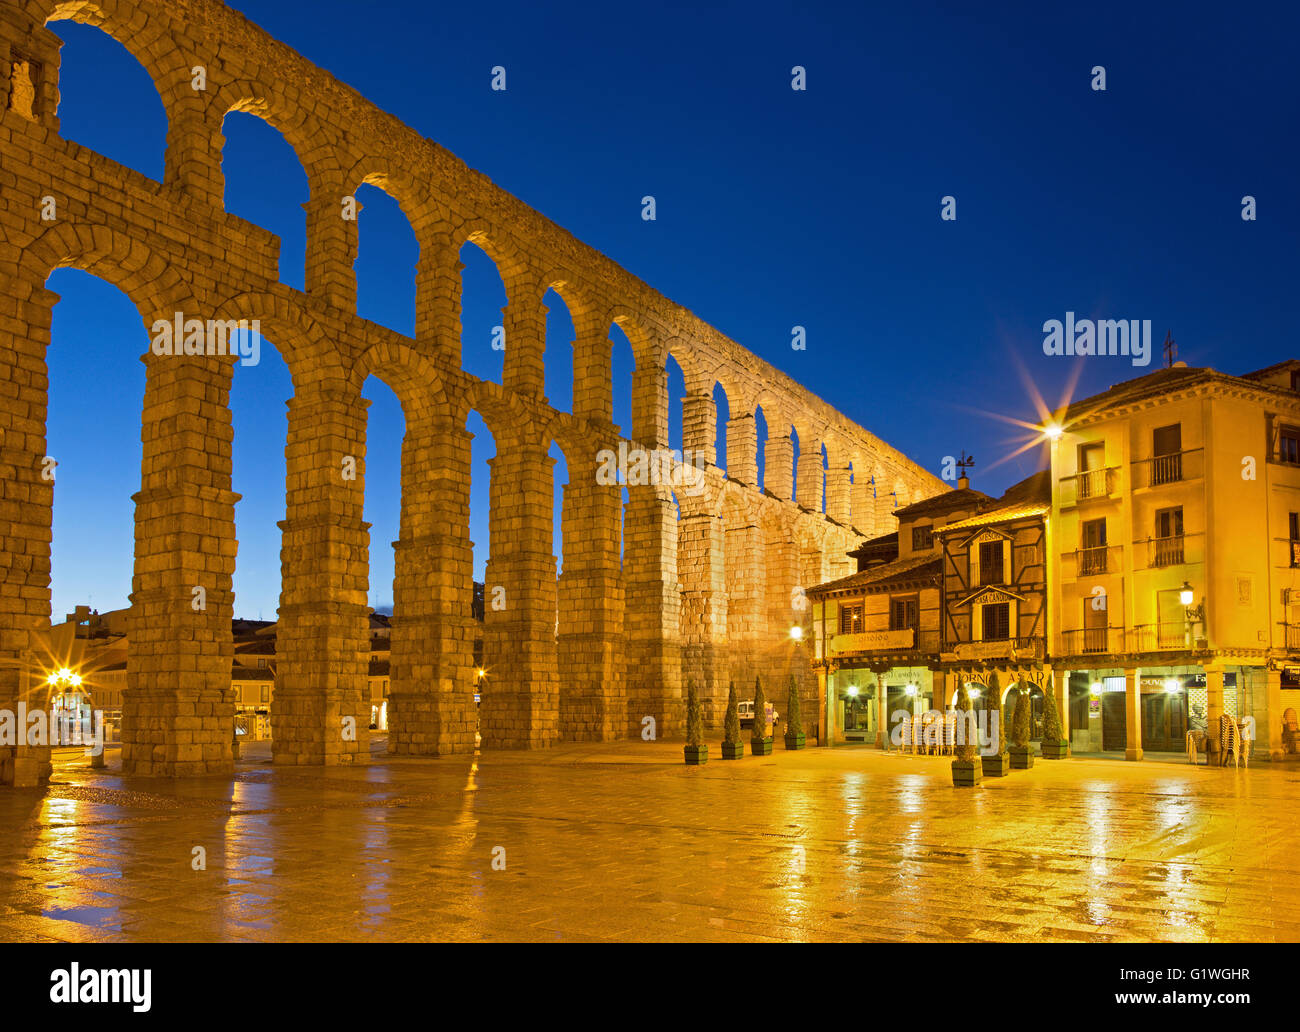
[[723, 407], [259, 417], [267, 185], [760, 438], [482, 305], [387, 256], [558, 359], [483, 450], [94, 454], [382, 509], [794, 447], [107, 100], [676, 392], [622, 366]]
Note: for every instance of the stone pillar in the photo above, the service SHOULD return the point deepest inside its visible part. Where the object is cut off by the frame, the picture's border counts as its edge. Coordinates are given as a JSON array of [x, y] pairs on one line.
[[650, 404], [321, 712], [438, 288], [524, 320], [521, 699], [701, 568], [1061, 685], [593, 392], [1268, 725], [652, 612], [745, 602], [700, 426], [742, 450], [1133, 713], [809, 488], [178, 711], [886, 523], [778, 467], [26, 509], [593, 694], [1213, 699], [862, 505], [192, 161], [431, 709], [837, 494], [330, 276], [882, 712]]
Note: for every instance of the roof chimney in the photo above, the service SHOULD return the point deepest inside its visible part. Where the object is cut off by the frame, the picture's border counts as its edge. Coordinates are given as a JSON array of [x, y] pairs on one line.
[[963, 482]]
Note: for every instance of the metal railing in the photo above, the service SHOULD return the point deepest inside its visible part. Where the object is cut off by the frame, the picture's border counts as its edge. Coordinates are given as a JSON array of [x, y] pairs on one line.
[[1171, 634], [1168, 469], [1096, 560], [1084, 640], [1088, 485], [1293, 636], [1167, 551]]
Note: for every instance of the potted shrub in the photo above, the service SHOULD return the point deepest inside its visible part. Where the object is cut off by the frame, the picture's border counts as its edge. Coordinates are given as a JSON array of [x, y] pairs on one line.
[[967, 770], [732, 747], [697, 752], [1022, 755], [997, 765], [759, 743], [1055, 745], [794, 736]]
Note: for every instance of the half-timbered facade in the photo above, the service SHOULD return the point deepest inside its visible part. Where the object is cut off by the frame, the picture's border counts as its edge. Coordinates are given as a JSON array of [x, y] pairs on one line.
[[995, 590]]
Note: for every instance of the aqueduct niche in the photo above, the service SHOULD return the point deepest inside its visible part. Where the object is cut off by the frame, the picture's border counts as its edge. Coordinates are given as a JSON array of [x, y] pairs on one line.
[[699, 582]]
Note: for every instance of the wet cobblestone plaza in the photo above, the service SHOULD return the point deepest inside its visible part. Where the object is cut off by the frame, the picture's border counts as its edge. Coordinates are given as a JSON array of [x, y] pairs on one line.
[[624, 842]]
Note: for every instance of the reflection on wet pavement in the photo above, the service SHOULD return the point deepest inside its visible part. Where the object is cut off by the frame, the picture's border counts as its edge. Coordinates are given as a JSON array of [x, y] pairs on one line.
[[623, 841]]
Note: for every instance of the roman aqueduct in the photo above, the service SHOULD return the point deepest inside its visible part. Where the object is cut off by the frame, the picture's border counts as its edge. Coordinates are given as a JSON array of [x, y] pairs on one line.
[[701, 586]]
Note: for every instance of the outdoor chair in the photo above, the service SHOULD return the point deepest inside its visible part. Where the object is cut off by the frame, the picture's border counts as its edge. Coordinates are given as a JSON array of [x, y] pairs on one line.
[[1229, 740], [931, 732], [950, 733]]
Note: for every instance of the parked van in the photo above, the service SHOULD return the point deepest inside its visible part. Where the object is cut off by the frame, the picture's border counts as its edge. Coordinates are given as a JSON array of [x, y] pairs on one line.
[[746, 711]]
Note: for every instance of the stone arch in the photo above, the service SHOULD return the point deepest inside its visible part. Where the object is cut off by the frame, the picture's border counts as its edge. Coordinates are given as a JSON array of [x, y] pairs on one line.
[[410, 375], [305, 345]]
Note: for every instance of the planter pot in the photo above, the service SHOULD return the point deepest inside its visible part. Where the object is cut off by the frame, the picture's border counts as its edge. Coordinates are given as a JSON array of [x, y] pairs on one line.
[[760, 747], [795, 741], [733, 750], [967, 773], [696, 755], [998, 766], [1022, 757], [1058, 750]]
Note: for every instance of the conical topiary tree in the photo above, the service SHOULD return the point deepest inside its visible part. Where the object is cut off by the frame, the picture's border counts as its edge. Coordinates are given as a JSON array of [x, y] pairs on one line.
[[694, 718], [696, 751], [731, 722], [1055, 745], [732, 748], [759, 731], [794, 736], [994, 704], [1020, 731], [968, 748]]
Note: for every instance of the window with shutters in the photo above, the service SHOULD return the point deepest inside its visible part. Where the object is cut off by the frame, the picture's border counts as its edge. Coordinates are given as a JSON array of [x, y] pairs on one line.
[[991, 568], [903, 613], [922, 539], [851, 618], [1288, 445], [997, 621]]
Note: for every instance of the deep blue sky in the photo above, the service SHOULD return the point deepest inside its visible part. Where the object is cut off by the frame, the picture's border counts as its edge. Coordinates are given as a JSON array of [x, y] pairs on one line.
[[775, 208]]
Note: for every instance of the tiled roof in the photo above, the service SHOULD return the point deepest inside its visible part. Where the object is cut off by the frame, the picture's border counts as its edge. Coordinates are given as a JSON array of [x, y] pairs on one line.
[[957, 498], [1009, 512], [913, 568]]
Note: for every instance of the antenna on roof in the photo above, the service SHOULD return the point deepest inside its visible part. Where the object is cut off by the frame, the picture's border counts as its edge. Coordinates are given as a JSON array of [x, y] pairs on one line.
[[1171, 350]]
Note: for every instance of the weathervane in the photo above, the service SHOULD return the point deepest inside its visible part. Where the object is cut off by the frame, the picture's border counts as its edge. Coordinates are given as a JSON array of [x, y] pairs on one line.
[[1171, 350]]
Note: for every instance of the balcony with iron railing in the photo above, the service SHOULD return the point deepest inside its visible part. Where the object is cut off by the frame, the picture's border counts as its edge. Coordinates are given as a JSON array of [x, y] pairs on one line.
[[1094, 561], [1174, 468], [1085, 640], [1293, 637], [1174, 550], [1089, 485], [1166, 635]]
